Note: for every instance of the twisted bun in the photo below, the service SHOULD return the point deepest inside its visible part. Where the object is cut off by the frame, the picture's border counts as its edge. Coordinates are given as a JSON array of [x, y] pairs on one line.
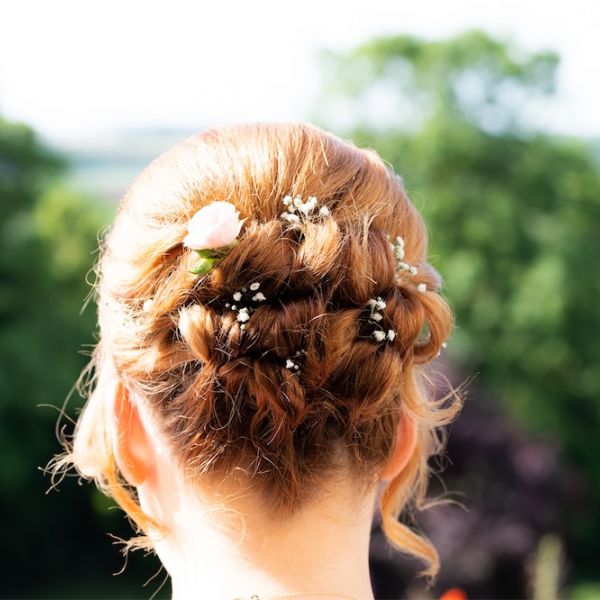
[[228, 396]]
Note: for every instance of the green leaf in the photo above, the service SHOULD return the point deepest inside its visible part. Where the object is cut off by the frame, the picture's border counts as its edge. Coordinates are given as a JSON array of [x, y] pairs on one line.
[[203, 266], [206, 253]]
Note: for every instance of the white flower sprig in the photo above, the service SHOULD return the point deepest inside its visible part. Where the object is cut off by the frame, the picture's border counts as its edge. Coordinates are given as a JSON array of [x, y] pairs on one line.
[[244, 312], [298, 211], [398, 248], [375, 317], [289, 362]]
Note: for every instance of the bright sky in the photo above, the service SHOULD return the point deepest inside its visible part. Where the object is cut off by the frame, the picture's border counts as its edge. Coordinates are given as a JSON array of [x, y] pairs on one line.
[[73, 68]]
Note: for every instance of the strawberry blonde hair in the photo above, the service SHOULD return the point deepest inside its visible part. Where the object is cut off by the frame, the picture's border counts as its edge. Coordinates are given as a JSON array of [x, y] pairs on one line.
[[221, 396]]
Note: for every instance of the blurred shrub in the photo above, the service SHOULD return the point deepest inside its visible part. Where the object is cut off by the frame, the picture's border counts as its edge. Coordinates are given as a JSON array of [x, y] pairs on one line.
[[514, 216], [511, 490], [48, 237]]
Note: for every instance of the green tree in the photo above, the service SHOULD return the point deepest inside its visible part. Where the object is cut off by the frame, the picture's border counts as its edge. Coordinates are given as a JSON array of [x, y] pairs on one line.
[[48, 241], [513, 214]]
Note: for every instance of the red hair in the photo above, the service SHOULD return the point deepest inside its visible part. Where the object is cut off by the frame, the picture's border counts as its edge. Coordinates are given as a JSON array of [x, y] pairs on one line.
[[221, 398]]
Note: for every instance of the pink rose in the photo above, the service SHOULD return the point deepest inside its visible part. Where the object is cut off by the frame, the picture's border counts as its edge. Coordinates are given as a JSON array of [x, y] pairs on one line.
[[213, 226]]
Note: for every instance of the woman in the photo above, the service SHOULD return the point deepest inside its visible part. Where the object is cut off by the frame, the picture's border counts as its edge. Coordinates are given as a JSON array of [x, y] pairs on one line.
[[259, 386]]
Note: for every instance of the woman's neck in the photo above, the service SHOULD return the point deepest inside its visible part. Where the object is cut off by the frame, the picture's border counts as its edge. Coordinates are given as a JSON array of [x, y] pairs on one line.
[[216, 555]]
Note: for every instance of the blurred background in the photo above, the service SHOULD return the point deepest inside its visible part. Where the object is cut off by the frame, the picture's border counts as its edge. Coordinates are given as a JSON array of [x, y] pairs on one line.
[[488, 110]]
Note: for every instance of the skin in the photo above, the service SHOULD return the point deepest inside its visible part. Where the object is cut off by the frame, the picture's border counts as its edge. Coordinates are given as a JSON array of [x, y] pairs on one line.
[[324, 549]]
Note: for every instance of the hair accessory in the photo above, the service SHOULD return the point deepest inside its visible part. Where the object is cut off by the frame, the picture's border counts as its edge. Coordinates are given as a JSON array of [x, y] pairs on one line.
[[291, 364], [298, 211], [212, 232], [398, 248], [374, 319], [246, 295]]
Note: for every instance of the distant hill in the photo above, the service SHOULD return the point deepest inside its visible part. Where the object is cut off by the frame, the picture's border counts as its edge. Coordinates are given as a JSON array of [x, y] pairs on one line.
[[105, 165]]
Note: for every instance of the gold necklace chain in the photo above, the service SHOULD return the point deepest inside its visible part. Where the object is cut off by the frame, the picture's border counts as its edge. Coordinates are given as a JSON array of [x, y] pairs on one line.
[[294, 594]]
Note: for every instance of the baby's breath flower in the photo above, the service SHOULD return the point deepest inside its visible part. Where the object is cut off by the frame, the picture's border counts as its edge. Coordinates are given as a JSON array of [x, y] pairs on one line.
[[298, 211], [243, 314]]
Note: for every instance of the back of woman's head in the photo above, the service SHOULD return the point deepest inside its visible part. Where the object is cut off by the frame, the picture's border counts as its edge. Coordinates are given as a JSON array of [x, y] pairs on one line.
[[301, 392]]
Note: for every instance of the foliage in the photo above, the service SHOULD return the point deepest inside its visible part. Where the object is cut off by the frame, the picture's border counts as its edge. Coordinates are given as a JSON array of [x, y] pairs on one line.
[[48, 236], [513, 215]]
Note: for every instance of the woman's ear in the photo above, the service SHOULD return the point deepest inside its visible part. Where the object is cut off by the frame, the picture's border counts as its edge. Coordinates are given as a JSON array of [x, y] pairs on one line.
[[406, 442], [132, 445]]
